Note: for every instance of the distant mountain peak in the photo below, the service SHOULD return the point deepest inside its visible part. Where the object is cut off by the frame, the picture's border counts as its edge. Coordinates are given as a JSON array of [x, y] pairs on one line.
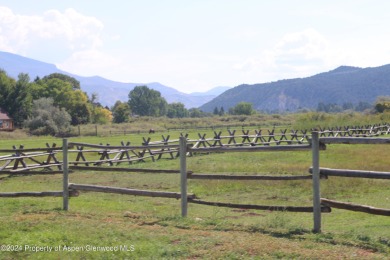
[[108, 91], [345, 69], [345, 84]]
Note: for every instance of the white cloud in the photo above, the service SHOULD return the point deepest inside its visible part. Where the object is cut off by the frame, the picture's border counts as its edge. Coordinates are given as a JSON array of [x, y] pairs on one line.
[[297, 54], [301, 53], [74, 30], [301, 46]]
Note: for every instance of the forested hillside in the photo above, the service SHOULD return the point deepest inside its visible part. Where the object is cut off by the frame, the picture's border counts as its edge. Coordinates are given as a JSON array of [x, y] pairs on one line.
[[342, 86]]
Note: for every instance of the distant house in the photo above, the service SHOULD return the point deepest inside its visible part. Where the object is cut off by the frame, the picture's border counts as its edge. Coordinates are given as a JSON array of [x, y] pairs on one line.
[[6, 123]]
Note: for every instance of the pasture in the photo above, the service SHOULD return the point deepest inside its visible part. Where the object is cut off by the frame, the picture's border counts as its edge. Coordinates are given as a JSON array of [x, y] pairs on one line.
[[112, 226]]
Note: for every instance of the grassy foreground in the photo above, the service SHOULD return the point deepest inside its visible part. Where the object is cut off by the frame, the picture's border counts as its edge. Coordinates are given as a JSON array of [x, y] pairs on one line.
[[109, 226]]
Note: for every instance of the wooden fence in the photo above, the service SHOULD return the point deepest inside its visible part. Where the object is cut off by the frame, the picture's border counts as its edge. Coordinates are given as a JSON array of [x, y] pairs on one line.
[[185, 148], [320, 205], [21, 155], [114, 155], [27, 160], [317, 171]]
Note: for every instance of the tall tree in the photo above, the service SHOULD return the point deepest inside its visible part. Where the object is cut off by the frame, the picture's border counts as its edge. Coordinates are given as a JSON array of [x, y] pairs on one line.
[[72, 81], [177, 110], [120, 112], [101, 115], [7, 85], [75, 101], [147, 102], [216, 111], [195, 112], [15, 96], [221, 111], [21, 100]]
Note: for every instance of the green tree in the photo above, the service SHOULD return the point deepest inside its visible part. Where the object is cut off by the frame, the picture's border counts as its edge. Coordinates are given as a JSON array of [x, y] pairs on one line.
[[243, 108], [77, 104], [7, 86], [20, 100], [221, 111], [72, 81], [121, 112], [65, 95], [177, 110], [195, 112], [147, 102], [47, 119], [101, 115], [15, 96], [216, 111]]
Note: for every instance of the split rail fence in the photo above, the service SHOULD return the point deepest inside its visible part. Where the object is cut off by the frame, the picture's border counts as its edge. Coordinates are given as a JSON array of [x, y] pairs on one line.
[[27, 160], [114, 155]]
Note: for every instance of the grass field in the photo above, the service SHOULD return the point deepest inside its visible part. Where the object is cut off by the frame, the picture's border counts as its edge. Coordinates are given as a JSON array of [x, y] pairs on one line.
[[109, 226]]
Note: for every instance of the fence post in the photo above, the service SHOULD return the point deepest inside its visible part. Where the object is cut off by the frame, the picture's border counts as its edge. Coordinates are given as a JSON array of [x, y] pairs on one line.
[[315, 143], [65, 174], [183, 175]]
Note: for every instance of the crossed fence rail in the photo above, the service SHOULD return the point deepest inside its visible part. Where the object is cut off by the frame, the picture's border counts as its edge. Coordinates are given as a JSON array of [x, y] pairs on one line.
[[23, 160], [258, 142]]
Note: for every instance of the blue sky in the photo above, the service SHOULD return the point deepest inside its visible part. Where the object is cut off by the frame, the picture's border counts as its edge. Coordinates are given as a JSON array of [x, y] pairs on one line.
[[195, 45]]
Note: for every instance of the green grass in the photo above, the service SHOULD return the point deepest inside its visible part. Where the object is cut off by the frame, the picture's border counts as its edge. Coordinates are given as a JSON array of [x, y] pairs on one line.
[[153, 226]]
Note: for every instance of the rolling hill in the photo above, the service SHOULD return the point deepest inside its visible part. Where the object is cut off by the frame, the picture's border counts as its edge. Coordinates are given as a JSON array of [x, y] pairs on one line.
[[108, 91], [341, 85]]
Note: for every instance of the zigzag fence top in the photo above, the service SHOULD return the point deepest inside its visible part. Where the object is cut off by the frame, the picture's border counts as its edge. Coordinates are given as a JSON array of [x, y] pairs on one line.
[[23, 159]]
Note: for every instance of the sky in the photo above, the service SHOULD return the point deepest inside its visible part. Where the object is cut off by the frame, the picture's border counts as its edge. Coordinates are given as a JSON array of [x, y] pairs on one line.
[[196, 45]]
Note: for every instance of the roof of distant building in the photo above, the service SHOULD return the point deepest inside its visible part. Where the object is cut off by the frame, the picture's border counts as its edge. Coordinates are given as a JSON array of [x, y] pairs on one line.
[[4, 115]]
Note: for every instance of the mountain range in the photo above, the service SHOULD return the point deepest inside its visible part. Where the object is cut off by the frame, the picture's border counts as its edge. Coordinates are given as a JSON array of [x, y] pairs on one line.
[[108, 91], [342, 85]]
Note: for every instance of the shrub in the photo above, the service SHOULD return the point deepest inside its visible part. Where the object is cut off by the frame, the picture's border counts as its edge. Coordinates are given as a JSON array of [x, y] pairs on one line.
[[47, 119]]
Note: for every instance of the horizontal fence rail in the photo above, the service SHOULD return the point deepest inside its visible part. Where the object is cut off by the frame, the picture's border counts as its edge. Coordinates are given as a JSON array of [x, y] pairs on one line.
[[30, 159], [355, 207], [324, 209], [91, 157], [353, 173], [147, 193], [72, 193], [247, 177]]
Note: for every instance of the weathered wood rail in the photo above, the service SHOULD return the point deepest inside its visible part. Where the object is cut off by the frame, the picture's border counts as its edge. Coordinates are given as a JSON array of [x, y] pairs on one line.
[[21, 155], [147, 193], [320, 205], [72, 193], [184, 148], [317, 171], [325, 172], [27, 160], [355, 207], [324, 209]]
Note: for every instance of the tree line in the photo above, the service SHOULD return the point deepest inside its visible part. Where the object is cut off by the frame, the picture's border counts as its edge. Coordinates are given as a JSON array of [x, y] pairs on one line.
[[50, 105], [144, 101]]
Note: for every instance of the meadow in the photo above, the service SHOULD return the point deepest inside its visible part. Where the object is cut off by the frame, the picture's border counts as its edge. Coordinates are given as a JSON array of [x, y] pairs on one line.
[[110, 226]]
